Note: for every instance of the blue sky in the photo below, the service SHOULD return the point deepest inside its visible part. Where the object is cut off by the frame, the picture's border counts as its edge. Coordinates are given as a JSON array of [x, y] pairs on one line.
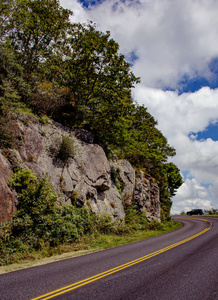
[[210, 132], [89, 3], [173, 47]]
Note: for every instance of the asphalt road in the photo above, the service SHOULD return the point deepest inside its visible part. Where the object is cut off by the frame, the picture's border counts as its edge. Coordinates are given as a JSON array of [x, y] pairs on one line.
[[182, 264]]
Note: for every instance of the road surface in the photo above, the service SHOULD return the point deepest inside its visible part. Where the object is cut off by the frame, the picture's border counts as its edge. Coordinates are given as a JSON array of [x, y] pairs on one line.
[[182, 264]]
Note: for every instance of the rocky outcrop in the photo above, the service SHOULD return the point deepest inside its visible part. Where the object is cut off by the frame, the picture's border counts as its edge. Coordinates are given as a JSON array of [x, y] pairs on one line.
[[125, 178], [86, 176], [146, 195], [7, 197]]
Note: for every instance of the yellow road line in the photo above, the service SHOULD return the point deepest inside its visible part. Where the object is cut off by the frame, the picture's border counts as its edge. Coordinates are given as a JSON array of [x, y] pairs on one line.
[[119, 268]]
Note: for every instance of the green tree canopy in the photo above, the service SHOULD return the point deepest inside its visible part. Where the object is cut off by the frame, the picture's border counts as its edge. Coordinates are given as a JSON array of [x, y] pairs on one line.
[[34, 28], [146, 146], [98, 79]]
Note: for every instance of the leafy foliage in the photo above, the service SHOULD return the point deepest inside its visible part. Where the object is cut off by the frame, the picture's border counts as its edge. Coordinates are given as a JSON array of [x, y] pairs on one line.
[[34, 28], [135, 218], [39, 224], [98, 79], [11, 86], [38, 216]]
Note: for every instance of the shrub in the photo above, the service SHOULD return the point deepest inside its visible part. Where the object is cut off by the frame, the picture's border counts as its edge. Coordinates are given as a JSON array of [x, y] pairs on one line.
[[66, 149], [154, 225], [44, 119], [136, 219], [63, 149], [105, 224], [38, 222], [116, 178], [35, 195]]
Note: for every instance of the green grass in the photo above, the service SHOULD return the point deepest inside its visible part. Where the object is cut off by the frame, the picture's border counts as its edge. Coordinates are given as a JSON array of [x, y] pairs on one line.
[[209, 215], [87, 244], [103, 241], [205, 215]]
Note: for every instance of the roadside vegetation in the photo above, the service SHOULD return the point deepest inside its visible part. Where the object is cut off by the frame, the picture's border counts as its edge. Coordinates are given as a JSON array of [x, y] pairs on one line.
[[210, 215], [212, 212], [207, 213], [40, 228], [102, 234]]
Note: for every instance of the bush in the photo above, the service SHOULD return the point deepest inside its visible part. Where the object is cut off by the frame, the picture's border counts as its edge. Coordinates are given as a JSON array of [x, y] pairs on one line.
[[154, 225], [36, 195], [135, 218], [63, 149], [39, 223], [105, 224], [116, 178], [66, 149]]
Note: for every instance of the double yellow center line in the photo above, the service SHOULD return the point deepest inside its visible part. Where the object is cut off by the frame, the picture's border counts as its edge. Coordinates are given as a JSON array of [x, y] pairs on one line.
[[119, 268]]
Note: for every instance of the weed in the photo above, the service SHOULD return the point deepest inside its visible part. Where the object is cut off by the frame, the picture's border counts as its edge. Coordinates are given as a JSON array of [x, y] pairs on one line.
[[88, 202], [66, 149], [63, 149], [31, 158], [44, 119]]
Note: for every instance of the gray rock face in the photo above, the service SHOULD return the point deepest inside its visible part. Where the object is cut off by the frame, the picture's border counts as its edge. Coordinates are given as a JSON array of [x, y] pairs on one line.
[[84, 177], [126, 178], [7, 197], [146, 196]]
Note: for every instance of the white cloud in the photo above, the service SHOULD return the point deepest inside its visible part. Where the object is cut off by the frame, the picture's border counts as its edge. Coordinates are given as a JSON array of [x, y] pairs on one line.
[[79, 14], [191, 195], [177, 116], [172, 39], [179, 113]]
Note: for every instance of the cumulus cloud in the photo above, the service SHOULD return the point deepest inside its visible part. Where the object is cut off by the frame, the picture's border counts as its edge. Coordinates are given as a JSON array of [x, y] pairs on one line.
[[80, 15], [185, 113], [171, 40], [191, 194], [178, 116]]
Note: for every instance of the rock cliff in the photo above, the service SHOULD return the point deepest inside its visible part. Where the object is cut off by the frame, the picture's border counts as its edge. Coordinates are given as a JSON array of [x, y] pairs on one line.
[[7, 197], [85, 175]]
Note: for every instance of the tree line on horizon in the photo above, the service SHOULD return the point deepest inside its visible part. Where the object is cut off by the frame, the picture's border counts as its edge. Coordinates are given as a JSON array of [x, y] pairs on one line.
[[75, 74]]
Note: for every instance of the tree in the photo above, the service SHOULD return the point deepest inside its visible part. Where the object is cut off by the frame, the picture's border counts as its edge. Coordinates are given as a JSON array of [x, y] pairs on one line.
[[11, 70], [11, 85], [99, 80], [4, 17], [34, 28], [95, 66], [147, 147], [169, 180], [174, 178]]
